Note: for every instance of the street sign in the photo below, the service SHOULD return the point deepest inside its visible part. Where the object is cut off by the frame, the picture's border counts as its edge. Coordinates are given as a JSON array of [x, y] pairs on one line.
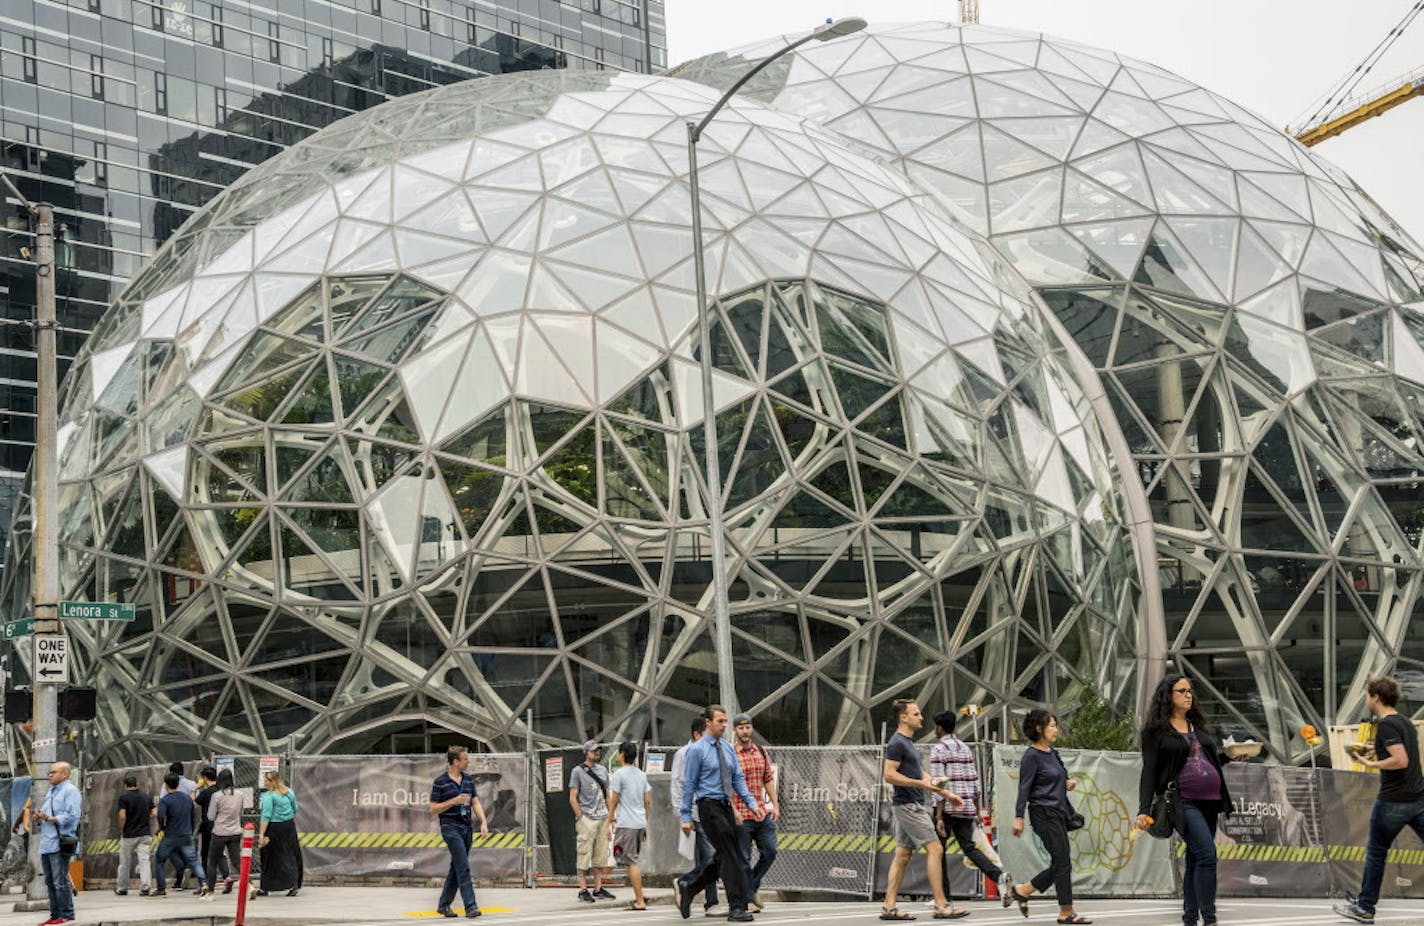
[[51, 663], [20, 628], [96, 611]]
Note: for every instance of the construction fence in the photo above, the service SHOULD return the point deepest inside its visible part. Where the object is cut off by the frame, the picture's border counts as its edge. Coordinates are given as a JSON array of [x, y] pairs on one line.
[[1291, 832]]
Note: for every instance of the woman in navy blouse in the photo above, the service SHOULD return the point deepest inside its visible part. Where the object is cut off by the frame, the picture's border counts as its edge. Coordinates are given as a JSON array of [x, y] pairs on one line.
[[1043, 788]]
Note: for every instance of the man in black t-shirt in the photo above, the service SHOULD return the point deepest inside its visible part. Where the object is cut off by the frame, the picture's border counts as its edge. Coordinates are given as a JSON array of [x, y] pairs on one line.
[[135, 834], [914, 827], [1395, 754]]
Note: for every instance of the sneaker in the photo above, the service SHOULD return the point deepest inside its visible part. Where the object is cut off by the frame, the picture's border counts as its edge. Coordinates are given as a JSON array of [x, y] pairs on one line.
[[1353, 911], [51, 921], [446, 912], [602, 894], [586, 895], [123, 893], [684, 899], [227, 885], [208, 896], [143, 892], [472, 912], [740, 916], [714, 911], [158, 893]]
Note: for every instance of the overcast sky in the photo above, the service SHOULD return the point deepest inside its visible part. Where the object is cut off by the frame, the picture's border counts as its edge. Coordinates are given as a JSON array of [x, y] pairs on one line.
[[1276, 57]]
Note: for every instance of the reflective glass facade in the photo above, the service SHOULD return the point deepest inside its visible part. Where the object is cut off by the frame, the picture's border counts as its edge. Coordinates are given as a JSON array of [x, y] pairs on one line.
[[128, 116], [1254, 318], [404, 432]]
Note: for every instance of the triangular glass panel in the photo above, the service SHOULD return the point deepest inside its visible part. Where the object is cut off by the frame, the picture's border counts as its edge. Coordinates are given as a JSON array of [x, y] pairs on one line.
[[574, 465], [1266, 525], [909, 500], [747, 312], [323, 481], [263, 354], [391, 343], [346, 295], [1165, 265], [549, 424], [1089, 316], [804, 510], [856, 391], [259, 401], [402, 296], [641, 400], [760, 464], [886, 423], [303, 316], [483, 442], [355, 381], [874, 481]]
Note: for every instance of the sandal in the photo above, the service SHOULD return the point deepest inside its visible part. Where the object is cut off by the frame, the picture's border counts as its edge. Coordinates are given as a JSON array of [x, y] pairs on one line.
[[1012, 896], [634, 906], [1074, 920], [894, 913], [949, 913]]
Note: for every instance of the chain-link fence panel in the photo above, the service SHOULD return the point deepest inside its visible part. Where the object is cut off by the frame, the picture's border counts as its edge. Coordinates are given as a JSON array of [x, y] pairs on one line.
[[830, 798]]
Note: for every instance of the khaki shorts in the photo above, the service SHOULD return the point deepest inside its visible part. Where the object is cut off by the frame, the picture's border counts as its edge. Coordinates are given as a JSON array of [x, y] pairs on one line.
[[628, 845], [592, 843], [913, 826]]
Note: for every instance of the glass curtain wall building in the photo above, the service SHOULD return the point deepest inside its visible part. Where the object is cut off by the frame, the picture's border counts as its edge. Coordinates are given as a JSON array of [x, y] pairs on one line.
[[130, 115]]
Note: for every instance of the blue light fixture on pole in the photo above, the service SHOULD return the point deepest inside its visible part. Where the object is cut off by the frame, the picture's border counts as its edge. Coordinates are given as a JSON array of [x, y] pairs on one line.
[[727, 692]]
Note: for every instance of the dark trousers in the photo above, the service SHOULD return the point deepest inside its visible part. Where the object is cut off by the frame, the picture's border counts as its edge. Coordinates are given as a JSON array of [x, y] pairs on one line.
[[721, 828], [1387, 821], [458, 840], [1199, 878], [56, 878], [182, 847], [704, 856], [223, 849], [961, 830], [1051, 830], [205, 852], [762, 833]]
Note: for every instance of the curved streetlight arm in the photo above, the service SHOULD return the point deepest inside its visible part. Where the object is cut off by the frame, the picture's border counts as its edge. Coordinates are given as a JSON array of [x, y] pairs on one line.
[[696, 130]]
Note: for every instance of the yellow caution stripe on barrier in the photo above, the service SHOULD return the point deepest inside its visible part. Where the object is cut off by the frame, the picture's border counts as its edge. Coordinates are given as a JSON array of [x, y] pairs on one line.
[[1319, 854], [839, 842], [403, 840]]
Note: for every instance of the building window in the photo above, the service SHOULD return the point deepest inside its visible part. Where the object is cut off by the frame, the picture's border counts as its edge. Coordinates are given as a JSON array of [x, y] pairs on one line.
[[217, 27], [637, 15], [96, 77], [425, 15], [514, 28], [376, 7], [29, 66], [220, 105], [274, 47], [156, 16], [327, 53], [160, 93], [470, 25], [598, 58], [101, 164], [95, 6]]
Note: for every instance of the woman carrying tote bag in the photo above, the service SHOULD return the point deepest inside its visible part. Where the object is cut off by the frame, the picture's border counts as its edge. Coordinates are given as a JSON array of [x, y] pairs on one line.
[[277, 835], [1181, 761]]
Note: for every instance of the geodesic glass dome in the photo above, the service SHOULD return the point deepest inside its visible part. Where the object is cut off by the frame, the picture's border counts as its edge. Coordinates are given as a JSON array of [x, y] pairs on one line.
[[403, 432], [1255, 320]]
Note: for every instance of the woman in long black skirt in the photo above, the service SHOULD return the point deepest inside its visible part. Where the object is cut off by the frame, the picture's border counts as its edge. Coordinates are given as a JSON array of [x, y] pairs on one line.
[[277, 835]]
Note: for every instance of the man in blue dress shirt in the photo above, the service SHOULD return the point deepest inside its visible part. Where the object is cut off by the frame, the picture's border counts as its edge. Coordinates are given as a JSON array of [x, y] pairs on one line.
[[711, 775], [58, 819]]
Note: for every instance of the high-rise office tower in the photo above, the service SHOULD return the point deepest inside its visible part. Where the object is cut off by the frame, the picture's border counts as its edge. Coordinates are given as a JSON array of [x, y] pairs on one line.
[[129, 115]]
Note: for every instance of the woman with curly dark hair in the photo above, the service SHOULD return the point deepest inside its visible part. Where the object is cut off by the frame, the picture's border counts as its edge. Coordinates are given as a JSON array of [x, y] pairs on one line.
[[1043, 788], [1179, 752]]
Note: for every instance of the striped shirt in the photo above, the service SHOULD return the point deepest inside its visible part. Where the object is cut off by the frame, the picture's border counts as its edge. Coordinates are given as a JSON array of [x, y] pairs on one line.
[[952, 760]]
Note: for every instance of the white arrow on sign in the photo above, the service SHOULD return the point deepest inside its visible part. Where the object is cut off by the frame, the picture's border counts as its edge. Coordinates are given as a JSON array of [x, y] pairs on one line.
[[51, 662]]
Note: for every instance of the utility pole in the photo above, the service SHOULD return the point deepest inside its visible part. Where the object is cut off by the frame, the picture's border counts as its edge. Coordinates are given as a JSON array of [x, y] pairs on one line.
[[44, 535]]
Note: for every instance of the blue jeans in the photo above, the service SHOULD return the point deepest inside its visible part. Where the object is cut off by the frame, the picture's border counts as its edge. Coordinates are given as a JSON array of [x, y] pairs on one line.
[[763, 833], [458, 840], [1199, 879], [181, 846], [1387, 821], [61, 892]]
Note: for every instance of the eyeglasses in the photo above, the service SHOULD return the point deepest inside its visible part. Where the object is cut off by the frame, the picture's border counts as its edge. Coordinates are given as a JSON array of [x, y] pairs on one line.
[[1185, 691]]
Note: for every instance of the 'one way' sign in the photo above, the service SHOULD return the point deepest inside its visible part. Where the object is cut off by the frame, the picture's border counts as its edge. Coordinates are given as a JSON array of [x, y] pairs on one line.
[[51, 659]]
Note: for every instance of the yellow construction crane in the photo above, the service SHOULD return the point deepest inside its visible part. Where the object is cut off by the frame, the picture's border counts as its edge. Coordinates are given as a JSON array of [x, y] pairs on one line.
[[1343, 108]]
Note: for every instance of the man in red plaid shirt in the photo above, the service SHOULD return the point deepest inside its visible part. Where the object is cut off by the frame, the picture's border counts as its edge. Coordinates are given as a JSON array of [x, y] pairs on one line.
[[756, 766], [952, 760]]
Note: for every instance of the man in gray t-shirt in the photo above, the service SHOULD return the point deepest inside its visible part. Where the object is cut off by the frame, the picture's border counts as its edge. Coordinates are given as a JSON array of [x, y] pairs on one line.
[[588, 796]]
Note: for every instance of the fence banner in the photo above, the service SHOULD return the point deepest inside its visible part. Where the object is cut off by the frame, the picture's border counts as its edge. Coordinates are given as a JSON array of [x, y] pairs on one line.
[[1346, 801], [1270, 844], [1107, 861], [100, 832], [366, 816], [828, 797]]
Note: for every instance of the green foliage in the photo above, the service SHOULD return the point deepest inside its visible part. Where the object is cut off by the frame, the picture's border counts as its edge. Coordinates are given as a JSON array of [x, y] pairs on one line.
[[1093, 724]]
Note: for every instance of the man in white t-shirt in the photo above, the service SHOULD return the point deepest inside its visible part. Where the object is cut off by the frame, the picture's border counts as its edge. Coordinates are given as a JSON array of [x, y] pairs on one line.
[[629, 799]]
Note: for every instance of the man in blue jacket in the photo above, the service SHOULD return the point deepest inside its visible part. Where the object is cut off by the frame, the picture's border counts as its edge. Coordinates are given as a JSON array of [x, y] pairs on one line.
[[176, 813], [712, 775], [58, 819]]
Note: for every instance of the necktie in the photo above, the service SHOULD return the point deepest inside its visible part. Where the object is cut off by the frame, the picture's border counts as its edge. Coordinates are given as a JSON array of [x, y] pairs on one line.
[[727, 791]]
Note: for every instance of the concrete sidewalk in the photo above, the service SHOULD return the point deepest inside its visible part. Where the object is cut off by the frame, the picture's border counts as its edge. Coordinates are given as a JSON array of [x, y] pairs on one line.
[[555, 906]]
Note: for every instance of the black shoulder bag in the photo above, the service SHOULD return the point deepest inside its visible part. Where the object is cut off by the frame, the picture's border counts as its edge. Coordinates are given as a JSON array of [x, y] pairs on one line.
[[1165, 808]]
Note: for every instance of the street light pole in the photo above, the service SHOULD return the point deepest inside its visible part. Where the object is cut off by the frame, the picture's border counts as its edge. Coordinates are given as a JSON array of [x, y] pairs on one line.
[[721, 608], [44, 529]]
